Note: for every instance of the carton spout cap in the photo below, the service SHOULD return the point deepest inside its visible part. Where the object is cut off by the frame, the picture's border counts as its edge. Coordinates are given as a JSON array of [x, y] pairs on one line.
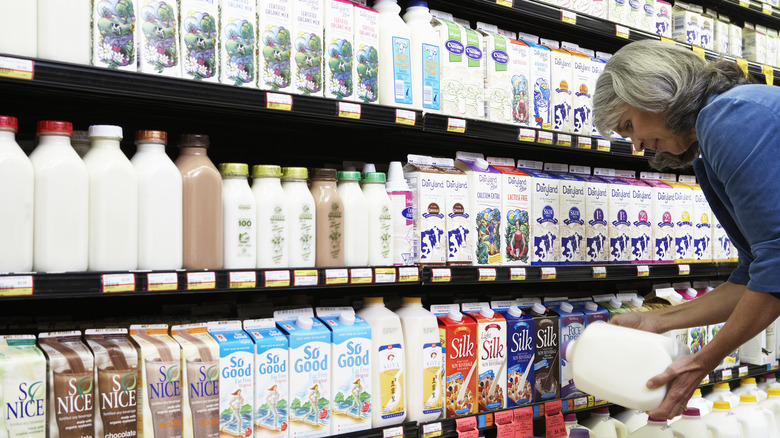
[[304, 322]]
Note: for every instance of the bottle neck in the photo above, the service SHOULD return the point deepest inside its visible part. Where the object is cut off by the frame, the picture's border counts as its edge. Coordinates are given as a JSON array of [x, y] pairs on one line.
[[54, 139], [192, 151], [104, 143], [150, 147], [266, 180], [7, 135]]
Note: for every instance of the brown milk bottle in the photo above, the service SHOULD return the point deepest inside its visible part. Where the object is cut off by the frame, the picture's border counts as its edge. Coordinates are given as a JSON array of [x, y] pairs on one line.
[[329, 218], [201, 203]]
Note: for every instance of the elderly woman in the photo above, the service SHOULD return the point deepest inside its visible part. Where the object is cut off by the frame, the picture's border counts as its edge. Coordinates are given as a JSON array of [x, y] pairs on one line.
[[668, 99]]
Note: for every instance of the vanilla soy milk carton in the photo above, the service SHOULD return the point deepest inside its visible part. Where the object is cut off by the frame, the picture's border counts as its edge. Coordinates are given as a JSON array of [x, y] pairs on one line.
[[618, 222], [200, 35], [307, 33], [274, 27], [516, 209], [310, 372], [339, 50], [661, 223], [484, 190], [457, 213], [561, 97], [236, 377], [114, 33], [639, 215], [572, 208], [701, 219], [595, 216], [24, 387], [498, 84], [272, 378], [158, 38], [581, 88], [365, 63], [427, 185], [350, 360], [459, 349], [453, 63], [520, 73], [491, 356], [541, 78], [238, 39], [545, 233]]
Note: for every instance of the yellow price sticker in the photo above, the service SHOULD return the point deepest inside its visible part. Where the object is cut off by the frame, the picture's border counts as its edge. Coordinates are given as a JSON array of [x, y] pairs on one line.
[[699, 51], [769, 74], [667, 40], [743, 64]]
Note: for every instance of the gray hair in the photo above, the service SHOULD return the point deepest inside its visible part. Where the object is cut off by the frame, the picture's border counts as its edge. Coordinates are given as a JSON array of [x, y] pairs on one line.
[[658, 77]]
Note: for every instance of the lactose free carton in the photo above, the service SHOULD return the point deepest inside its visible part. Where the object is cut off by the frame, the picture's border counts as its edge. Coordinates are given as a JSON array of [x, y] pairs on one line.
[[516, 210]]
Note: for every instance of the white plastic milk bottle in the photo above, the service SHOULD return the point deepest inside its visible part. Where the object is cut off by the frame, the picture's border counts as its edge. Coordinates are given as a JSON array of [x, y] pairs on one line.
[[301, 207], [403, 217], [633, 419], [602, 425], [380, 220], [16, 215], [756, 421], [64, 30], [748, 385], [61, 211], [239, 210], [702, 404], [395, 71], [424, 399], [388, 398], [721, 422], [426, 57], [159, 203], [722, 391], [355, 218], [19, 28], [113, 202], [273, 217], [690, 425], [767, 381], [655, 428], [772, 403], [570, 423]]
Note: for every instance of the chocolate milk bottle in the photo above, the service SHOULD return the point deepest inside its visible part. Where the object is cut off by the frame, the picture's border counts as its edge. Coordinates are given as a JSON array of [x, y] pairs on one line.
[[116, 391], [202, 204], [329, 219], [71, 379]]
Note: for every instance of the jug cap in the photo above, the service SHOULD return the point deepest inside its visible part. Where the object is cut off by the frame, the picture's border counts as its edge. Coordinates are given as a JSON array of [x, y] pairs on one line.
[[579, 432], [110, 131], [656, 420], [46, 126], [571, 416], [234, 169], [411, 300], [324, 173], [261, 170], [349, 175], [692, 412], [773, 391], [697, 391], [722, 385], [374, 177], [373, 300], [768, 376], [748, 381], [417, 3], [9, 122], [194, 141], [748, 398], [151, 135], [721, 404], [603, 410], [295, 172]]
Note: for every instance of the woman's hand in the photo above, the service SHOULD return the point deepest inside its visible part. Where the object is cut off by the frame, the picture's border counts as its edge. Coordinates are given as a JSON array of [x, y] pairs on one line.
[[647, 321], [683, 376]]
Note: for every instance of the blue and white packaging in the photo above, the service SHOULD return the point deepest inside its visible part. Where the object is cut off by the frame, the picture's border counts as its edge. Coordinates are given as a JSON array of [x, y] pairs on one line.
[[545, 214], [595, 215], [618, 222], [640, 216], [520, 353], [540, 81], [572, 207], [571, 322]]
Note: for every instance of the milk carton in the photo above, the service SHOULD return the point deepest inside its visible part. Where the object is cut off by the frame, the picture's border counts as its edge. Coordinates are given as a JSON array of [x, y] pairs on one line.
[[272, 378], [484, 190], [306, 63], [648, 16], [200, 380], [516, 208], [771, 46], [158, 38], [545, 214], [634, 14], [459, 348], [498, 84], [475, 67], [546, 357], [561, 91], [591, 310], [236, 377], [520, 73], [735, 40], [595, 215], [114, 34], [598, 8], [310, 373], [571, 321], [582, 99], [339, 50], [520, 354], [617, 11], [199, 32], [238, 39], [541, 79], [683, 220], [754, 43], [458, 215], [639, 214], [491, 356], [350, 382], [707, 34], [701, 221], [366, 54], [273, 45], [721, 243], [619, 225], [686, 24], [572, 208], [732, 359], [427, 185], [24, 388], [721, 34], [596, 67], [662, 225], [663, 18]]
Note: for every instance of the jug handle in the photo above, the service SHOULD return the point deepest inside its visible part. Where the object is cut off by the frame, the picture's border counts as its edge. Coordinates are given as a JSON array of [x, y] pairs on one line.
[[713, 431], [620, 428], [770, 418]]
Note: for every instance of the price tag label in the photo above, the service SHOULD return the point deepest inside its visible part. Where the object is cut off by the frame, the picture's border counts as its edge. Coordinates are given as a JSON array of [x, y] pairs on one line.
[[504, 426], [244, 279], [408, 274], [684, 269], [667, 40], [361, 276], [393, 432], [118, 282], [642, 271], [280, 278], [305, 277], [431, 430], [599, 272], [517, 273], [527, 134], [162, 281], [544, 137], [726, 374], [553, 420], [636, 152], [405, 117], [568, 16], [603, 145], [17, 285], [580, 402], [456, 125], [743, 64], [584, 142], [769, 74], [487, 274], [443, 275], [16, 68], [548, 274], [563, 140], [744, 3], [766, 8], [743, 371], [201, 280], [384, 275], [622, 31], [336, 276], [773, 365], [349, 110], [278, 101], [523, 421], [506, 3], [706, 380], [465, 424]]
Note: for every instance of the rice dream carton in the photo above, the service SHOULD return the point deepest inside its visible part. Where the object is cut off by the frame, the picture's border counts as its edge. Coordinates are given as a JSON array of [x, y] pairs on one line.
[[272, 381], [199, 32], [484, 190], [516, 209], [545, 236], [366, 61], [701, 221], [572, 207], [640, 214], [238, 39], [158, 38], [618, 223], [307, 58], [595, 216], [457, 213], [491, 356], [274, 45], [520, 352], [571, 322], [662, 225], [114, 34], [427, 186], [541, 82], [561, 97], [339, 45], [520, 72], [24, 388], [459, 349]]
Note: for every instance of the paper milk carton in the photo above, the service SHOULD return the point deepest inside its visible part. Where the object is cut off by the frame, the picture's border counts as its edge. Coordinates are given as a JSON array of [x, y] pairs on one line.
[[272, 378], [427, 185], [458, 340], [484, 187], [707, 34], [735, 40], [24, 388], [520, 353], [639, 214], [459, 231], [199, 33], [682, 216], [453, 63], [498, 84], [596, 67], [595, 215], [158, 38], [238, 39], [686, 24], [350, 361], [115, 30], [701, 221], [721, 34], [366, 61], [541, 81], [661, 223], [618, 223], [546, 356], [491, 356], [236, 378], [310, 373], [571, 322], [721, 243], [635, 13], [516, 209], [306, 63], [581, 83], [663, 18], [572, 208], [274, 44], [561, 96], [475, 68], [732, 359], [617, 11], [200, 380], [339, 53], [545, 217], [648, 16], [520, 73]]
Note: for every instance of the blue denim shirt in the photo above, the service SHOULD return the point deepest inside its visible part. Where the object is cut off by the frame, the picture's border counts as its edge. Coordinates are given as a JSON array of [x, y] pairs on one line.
[[739, 172]]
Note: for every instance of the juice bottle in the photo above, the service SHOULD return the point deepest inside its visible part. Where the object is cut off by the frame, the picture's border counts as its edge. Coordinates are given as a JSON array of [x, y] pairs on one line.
[[16, 216], [329, 218], [356, 221], [380, 220], [239, 215], [273, 217], [303, 233]]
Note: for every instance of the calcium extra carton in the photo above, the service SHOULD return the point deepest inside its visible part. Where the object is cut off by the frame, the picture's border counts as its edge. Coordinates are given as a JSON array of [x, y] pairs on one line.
[[573, 208], [24, 388], [457, 213], [272, 378], [427, 185], [484, 188], [545, 214], [491, 356], [618, 221], [595, 215], [661, 223], [273, 45], [520, 353], [199, 32], [310, 372], [516, 209], [701, 219], [458, 342], [639, 215], [350, 360], [236, 378]]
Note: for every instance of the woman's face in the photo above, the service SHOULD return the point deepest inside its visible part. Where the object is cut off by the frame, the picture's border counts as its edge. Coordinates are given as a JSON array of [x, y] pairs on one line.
[[648, 131]]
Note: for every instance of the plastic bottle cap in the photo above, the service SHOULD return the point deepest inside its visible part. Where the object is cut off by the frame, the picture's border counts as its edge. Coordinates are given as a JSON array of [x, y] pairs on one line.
[[773, 391], [481, 164], [373, 300], [514, 311], [194, 141], [9, 122], [411, 300], [347, 318], [567, 307], [748, 398], [368, 167], [768, 376], [721, 404], [417, 3], [304, 322], [107, 131], [697, 391], [603, 410], [324, 174], [570, 417], [637, 302], [295, 173], [578, 432], [538, 308], [722, 385], [266, 170], [656, 420], [692, 412], [486, 312], [748, 381], [148, 135], [615, 303], [238, 169], [349, 175], [377, 177], [49, 126], [455, 315], [590, 305]]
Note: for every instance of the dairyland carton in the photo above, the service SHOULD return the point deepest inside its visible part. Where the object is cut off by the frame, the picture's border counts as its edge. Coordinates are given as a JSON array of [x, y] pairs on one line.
[[310, 373], [572, 207], [618, 222], [115, 29], [199, 33], [561, 97], [662, 225], [639, 214], [339, 53], [663, 18], [520, 73], [595, 215], [545, 236], [686, 24], [273, 45], [427, 185], [272, 381], [581, 83], [541, 79], [457, 213], [683, 220], [596, 67], [24, 388], [350, 382], [158, 38], [238, 39], [701, 221], [498, 85], [366, 62], [458, 341], [306, 63], [721, 243], [516, 209], [485, 206], [491, 356]]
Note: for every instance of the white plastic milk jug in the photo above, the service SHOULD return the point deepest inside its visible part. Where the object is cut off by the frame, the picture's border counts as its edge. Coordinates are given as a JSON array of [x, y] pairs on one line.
[[772, 403], [748, 385], [690, 425], [570, 423], [602, 425], [702, 404], [756, 421], [16, 216], [721, 422], [632, 418], [614, 363], [767, 381], [655, 428], [722, 391]]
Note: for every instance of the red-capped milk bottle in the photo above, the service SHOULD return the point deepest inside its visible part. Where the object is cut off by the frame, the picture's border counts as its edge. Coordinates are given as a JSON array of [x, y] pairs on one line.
[[16, 214]]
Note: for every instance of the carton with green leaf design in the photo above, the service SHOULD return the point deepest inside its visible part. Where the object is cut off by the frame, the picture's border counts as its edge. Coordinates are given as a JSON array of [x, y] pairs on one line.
[[22, 387]]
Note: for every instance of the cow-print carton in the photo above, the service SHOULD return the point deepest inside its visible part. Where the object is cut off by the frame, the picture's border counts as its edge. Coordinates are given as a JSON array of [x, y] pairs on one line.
[[618, 222], [639, 215], [545, 214], [661, 223], [428, 191], [572, 226], [595, 215], [457, 213]]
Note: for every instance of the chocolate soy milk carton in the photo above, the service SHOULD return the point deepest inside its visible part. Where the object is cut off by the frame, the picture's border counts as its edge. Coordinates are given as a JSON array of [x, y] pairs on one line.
[[116, 382], [427, 185], [23, 387], [546, 384], [491, 356], [71, 381], [484, 188], [458, 340], [272, 378]]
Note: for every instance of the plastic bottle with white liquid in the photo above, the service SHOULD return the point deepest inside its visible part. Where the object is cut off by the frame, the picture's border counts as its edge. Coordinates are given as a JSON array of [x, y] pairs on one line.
[[722, 391], [16, 214], [748, 385], [772, 403], [395, 64], [388, 363], [64, 28], [570, 423], [402, 200], [690, 425], [380, 220], [159, 203], [602, 425], [80, 142], [655, 428], [273, 217], [355, 218], [756, 421], [61, 211], [702, 404], [767, 381], [19, 28], [303, 232], [721, 422], [426, 57], [424, 397], [633, 419], [239, 215]]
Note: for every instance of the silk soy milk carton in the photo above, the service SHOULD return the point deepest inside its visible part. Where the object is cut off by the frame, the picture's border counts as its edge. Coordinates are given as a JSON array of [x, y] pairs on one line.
[[114, 33], [350, 359], [541, 66], [272, 382], [661, 223], [572, 208], [458, 342], [546, 353], [639, 215], [158, 38], [595, 215], [306, 62], [200, 380], [484, 190], [116, 382], [561, 98], [23, 387], [236, 378], [491, 356], [618, 222], [200, 32], [520, 352], [366, 61], [310, 373], [516, 209], [339, 53], [427, 185], [273, 46], [545, 236], [498, 84], [701, 221], [238, 39], [457, 213]]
